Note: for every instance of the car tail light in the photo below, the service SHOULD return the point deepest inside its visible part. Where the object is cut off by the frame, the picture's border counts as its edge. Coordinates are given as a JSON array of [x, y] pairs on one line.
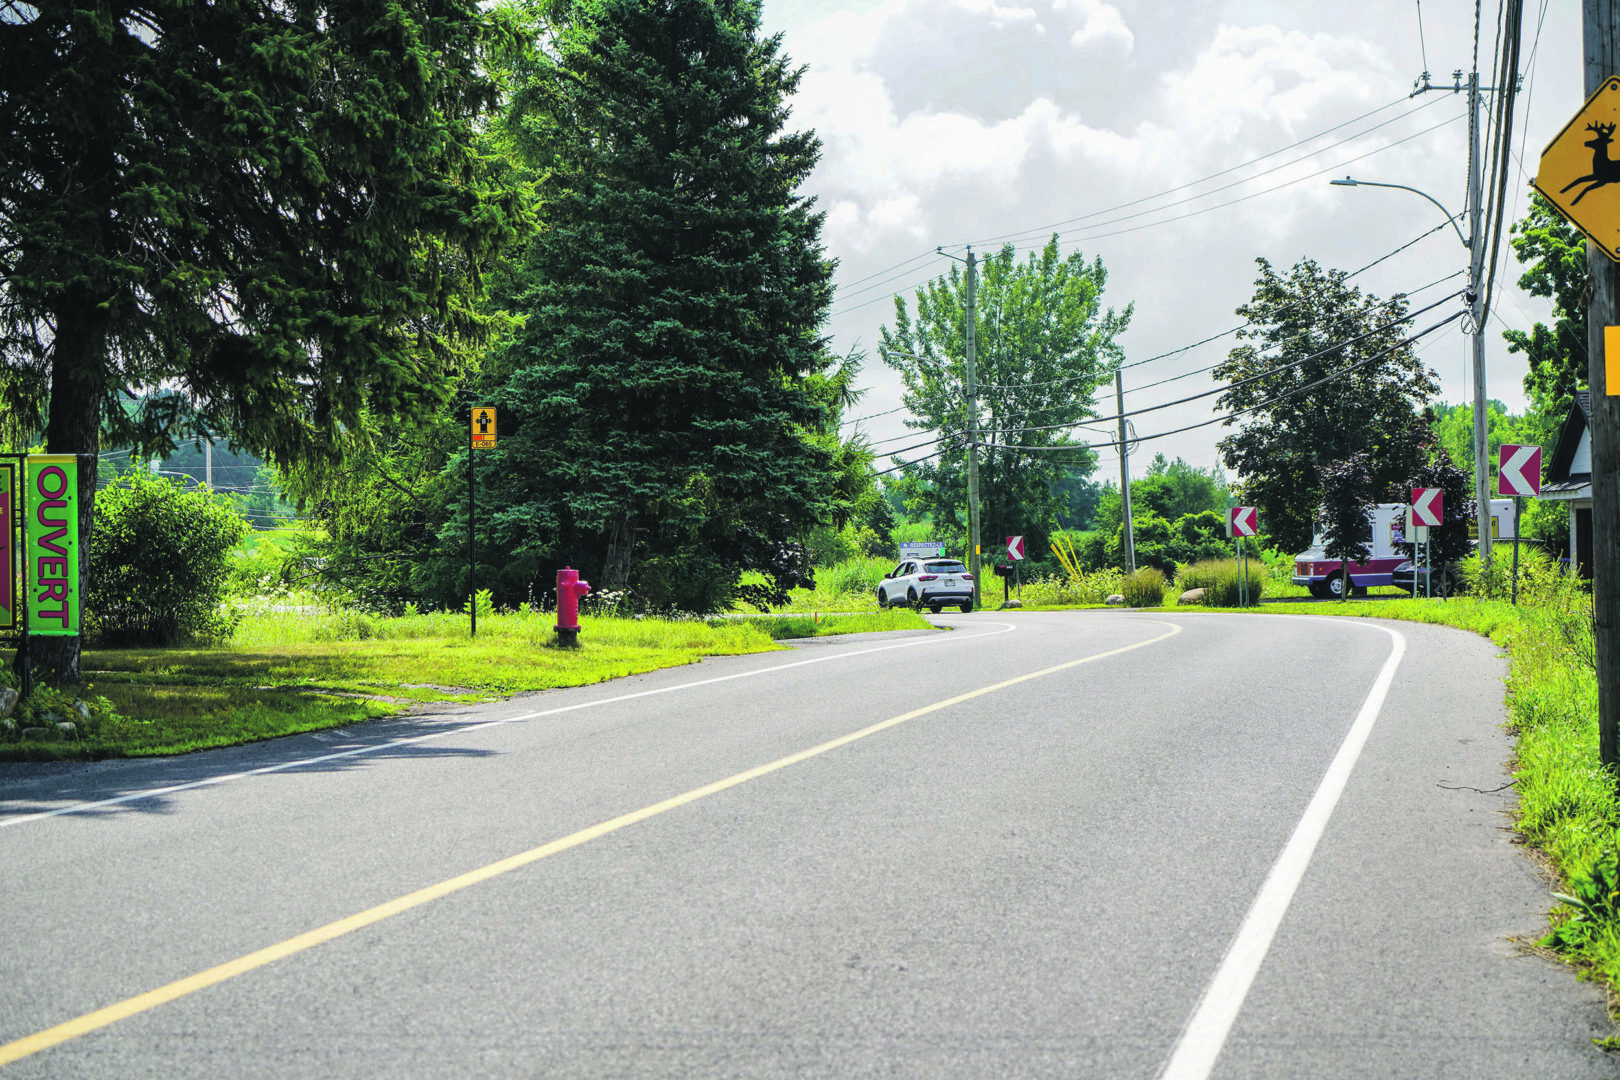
[[927, 577]]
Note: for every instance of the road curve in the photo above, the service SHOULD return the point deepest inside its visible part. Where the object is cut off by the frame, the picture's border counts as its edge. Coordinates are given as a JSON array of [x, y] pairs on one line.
[[1025, 847]]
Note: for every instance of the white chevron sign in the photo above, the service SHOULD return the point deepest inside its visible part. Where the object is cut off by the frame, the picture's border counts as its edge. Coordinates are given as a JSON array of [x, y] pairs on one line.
[[1518, 470], [1426, 506]]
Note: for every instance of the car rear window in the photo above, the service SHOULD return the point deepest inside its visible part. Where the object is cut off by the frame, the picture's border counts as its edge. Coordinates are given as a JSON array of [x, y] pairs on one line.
[[946, 568]]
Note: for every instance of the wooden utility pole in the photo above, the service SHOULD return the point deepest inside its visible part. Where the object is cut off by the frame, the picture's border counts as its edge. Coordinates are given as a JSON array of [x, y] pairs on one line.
[[972, 335], [1602, 48]]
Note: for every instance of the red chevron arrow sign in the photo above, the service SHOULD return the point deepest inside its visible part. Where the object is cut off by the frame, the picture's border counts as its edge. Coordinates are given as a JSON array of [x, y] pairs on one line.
[[1242, 521], [1518, 470], [1427, 506], [1015, 548]]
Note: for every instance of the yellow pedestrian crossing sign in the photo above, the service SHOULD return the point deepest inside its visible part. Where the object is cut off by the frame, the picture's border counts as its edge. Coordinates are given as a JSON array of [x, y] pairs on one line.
[[483, 427], [1577, 174]]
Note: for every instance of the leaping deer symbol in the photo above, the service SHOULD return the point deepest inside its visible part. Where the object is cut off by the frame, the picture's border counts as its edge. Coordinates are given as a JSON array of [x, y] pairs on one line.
[[1603, 171]]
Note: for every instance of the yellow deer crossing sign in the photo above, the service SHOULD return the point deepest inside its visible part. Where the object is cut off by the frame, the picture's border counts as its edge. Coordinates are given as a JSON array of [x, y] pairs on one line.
[[1578, 175]]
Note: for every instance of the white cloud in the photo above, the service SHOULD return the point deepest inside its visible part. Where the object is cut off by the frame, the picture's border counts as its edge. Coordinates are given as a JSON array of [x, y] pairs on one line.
[[1102, 27], [945, 121]]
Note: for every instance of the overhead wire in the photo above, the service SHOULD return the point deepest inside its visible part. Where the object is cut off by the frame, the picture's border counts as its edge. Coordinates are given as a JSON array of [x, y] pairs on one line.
[[1249, 179], [1058, 226], [1220, 418], [1318, 354], [1285, 395], [1074, 233]]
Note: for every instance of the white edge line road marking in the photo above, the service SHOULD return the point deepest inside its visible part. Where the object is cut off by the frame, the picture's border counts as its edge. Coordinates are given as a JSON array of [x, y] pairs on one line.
[[152, 793], [151, 999], [1205, 1035]]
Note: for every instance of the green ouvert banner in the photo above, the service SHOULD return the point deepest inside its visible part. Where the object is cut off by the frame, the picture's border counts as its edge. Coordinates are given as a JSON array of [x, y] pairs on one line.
[[51, 543]]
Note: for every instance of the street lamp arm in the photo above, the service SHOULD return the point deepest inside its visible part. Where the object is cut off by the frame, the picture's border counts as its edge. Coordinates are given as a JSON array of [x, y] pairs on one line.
[[1349, 182]]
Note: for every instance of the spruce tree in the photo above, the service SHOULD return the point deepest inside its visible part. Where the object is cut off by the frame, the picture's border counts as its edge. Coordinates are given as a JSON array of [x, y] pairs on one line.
[[655, 410], [270, 211]]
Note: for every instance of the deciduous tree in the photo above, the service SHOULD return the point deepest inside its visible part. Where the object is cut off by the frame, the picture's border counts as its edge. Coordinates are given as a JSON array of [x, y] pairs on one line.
[[1554, 254], [1045, 344], [1310, 319], [1348, 493]]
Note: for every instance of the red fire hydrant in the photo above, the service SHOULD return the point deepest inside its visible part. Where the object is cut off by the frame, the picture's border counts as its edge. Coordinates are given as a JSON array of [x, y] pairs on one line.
[[570, 590]]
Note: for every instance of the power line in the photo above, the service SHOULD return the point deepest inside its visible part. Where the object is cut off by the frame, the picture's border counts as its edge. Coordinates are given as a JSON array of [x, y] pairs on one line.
[[1285, 395], [1270, 371], [1074, 233], [1244, 198], [1223, 417], [1057, 226]]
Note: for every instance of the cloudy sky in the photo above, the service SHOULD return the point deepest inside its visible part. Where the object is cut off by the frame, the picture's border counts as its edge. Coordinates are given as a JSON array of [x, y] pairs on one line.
[[1176, 139]]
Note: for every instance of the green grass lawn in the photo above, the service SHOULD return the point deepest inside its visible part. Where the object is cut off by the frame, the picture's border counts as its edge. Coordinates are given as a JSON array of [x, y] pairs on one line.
[[293, 671]]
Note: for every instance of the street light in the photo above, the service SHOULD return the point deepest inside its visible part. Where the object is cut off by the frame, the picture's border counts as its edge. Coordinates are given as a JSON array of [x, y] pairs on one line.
[[1476, 249], [1450, 217]]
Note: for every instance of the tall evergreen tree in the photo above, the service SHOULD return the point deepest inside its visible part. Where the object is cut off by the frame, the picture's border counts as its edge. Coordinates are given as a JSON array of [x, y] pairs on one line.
[[272, 210], [1372, 401], [656, 418]]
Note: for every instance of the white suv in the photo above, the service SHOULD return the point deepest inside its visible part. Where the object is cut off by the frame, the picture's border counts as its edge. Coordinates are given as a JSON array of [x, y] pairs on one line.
[[930, 583]]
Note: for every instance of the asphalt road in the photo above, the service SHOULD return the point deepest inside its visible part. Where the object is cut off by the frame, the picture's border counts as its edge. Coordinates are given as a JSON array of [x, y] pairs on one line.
[[1039, 845]]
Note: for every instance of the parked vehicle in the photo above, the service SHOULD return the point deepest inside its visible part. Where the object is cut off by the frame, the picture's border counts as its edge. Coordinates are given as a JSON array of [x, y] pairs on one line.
[[929, 583], [1326, 577], [1445, 580], [1386, 523]]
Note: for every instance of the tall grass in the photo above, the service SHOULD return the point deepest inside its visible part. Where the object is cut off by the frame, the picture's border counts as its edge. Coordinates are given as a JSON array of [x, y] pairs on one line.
[[1084, 587], [1144, 589], [1219, 580]]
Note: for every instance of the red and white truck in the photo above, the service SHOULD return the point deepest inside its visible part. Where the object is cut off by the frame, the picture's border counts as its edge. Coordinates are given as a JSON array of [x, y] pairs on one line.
[[1325, 577]]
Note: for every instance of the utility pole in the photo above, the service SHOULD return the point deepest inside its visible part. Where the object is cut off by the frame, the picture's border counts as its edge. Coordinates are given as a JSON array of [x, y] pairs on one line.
[[1476, 298], [1124, 472], [1602, 48], [1476, 307], [973, 423]]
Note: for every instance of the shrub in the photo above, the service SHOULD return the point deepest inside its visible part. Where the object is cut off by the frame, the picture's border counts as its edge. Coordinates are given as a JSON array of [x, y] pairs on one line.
[[1543, 581], [159, 563], [1084, 587], [1145, 588], [1219, 580]]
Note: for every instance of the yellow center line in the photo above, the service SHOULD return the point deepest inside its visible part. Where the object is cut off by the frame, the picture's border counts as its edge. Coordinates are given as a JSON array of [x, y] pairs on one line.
[[111, 1014]]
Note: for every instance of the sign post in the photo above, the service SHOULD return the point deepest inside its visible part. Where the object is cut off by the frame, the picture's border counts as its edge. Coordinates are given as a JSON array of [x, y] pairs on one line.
[[1428, 511], [1518, 473], [1242, 521], [1015, 553], [481, 436]]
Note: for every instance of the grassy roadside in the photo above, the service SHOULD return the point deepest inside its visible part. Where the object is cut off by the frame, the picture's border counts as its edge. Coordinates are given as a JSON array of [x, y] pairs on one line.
[[288, 672]]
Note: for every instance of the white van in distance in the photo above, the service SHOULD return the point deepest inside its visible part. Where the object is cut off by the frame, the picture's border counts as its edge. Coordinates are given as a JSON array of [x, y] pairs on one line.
[[1325, 577]]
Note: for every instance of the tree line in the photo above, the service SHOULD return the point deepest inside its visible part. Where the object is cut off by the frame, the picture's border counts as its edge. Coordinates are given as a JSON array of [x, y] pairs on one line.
[[325, 231]]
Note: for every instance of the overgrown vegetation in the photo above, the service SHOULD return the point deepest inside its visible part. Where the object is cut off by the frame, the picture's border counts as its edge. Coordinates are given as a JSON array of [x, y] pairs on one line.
[[1220, 580], [1144, 588]]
